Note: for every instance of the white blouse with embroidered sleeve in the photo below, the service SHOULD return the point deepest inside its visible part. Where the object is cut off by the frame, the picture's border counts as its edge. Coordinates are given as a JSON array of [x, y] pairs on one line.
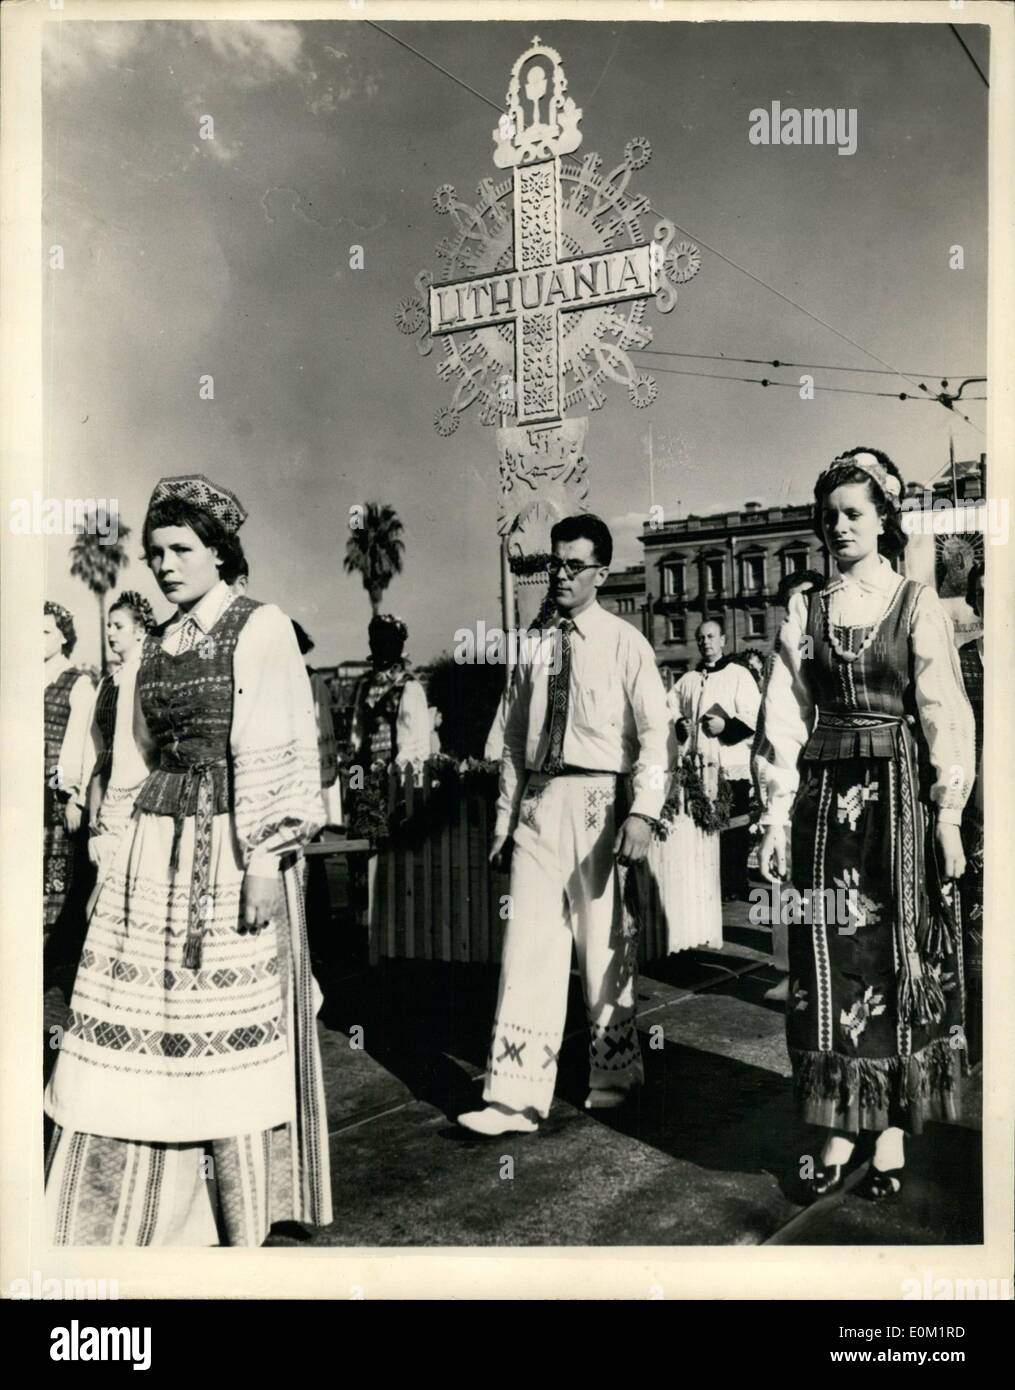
[[277, 774], [77, 750], [787, 713], [946, 715], [412, 727]]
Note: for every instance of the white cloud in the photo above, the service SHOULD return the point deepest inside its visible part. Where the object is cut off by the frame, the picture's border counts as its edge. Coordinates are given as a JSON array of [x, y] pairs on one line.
[[250, 52], [256, 51], [75, 52]]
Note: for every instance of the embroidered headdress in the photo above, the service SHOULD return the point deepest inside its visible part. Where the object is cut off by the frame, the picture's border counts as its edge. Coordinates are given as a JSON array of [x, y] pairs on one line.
[[199, 491], [871, 465], [65, 623], [138, 605]]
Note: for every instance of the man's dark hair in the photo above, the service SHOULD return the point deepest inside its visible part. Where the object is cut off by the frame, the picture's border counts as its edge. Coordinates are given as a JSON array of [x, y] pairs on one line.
[[789, 583], [586, 527], [175, 511]]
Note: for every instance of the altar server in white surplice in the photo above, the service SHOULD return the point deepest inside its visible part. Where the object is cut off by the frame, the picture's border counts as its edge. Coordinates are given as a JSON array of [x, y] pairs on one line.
[[718, 705]]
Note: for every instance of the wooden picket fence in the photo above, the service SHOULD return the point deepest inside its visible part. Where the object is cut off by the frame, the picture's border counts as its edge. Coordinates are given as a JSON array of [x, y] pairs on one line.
[[432, 893]]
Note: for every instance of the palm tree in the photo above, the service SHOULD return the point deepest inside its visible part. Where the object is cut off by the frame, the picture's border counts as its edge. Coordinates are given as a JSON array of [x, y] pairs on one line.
[[97, 559], [374, 549]]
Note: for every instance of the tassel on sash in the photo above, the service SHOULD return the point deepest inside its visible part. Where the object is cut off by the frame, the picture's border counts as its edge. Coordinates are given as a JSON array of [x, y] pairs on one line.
[[311, 1161], [920, 998], [199, 904]]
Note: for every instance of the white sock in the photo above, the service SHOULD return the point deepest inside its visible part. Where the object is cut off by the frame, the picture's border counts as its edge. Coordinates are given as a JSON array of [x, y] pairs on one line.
[[890, 1150], [838, 1149]]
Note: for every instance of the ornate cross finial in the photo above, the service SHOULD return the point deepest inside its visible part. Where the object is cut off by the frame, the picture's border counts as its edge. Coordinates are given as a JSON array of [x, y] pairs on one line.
[[541, 120]]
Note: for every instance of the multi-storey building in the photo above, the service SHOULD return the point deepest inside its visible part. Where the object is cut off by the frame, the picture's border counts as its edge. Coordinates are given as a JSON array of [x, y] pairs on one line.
[[728, 566]]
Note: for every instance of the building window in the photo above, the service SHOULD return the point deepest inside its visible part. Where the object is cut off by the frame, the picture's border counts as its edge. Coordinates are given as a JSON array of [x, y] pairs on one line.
[[673, 579], [752, 574], [625, 605], [676, 629], [713, 576], [756, 624], [793, 562]]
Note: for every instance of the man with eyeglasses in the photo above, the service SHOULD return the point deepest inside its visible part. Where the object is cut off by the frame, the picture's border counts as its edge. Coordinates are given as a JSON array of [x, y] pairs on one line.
[[587, 708]]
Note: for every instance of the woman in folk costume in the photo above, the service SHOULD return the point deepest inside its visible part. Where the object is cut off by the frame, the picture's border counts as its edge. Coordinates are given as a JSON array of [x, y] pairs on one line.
[[187, 1096], [866, 723], [68, 706], [120, 767], [391, 722]]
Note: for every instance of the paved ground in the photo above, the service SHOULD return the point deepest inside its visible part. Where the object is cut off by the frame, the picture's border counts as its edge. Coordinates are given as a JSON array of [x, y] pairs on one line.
[[706, 1154]]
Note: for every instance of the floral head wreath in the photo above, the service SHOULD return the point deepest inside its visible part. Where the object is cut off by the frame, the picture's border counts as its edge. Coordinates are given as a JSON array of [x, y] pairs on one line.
[[199, 491], [65, 623], [875, 470], [138, 605]]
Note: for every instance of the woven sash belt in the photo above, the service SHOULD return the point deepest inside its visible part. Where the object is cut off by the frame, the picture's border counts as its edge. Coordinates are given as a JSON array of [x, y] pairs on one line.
[[198, 908]]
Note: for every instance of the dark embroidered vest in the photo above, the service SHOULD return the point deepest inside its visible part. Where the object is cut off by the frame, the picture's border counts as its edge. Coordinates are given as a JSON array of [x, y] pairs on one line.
[[861, 702], [187, 701], [105, 718], [379, 720], [57, 713]]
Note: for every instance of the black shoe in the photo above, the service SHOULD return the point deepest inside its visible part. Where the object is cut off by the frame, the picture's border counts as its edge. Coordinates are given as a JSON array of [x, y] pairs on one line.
[[883, 1186], [825, 1180]]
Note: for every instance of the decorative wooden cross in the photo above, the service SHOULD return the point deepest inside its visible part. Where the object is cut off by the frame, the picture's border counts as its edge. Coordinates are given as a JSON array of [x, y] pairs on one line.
[[543, 284]]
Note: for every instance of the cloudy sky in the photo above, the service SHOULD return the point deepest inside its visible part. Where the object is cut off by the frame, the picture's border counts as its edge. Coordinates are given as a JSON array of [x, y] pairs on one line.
[[230, 256]]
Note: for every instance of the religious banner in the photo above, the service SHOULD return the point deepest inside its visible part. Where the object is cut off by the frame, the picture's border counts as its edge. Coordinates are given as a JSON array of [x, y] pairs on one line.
[[944, 542], [542, 478]]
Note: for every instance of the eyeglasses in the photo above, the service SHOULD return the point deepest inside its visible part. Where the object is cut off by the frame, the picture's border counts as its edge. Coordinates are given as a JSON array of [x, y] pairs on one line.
[[574, 567]]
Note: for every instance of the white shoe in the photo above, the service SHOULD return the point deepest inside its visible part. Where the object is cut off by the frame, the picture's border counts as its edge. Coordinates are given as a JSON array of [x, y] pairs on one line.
[[492, 1121], [780, 991]]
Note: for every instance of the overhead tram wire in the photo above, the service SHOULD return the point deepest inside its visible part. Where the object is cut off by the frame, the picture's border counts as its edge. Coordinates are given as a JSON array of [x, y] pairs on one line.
[[894, 371], [983, 76], [778, 362], [941, 399], [842, 390], [395, 39], [684, 231]]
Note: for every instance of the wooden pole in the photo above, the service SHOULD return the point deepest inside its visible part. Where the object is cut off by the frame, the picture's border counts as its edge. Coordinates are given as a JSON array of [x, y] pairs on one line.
[[507, 597]]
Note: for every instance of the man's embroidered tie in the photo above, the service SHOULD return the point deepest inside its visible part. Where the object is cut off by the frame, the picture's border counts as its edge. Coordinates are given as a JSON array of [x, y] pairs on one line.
[[558, 689]]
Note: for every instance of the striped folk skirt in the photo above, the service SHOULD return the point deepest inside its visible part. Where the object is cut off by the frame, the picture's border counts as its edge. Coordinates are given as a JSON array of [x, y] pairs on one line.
[[188, 1103], [875, 1015]]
